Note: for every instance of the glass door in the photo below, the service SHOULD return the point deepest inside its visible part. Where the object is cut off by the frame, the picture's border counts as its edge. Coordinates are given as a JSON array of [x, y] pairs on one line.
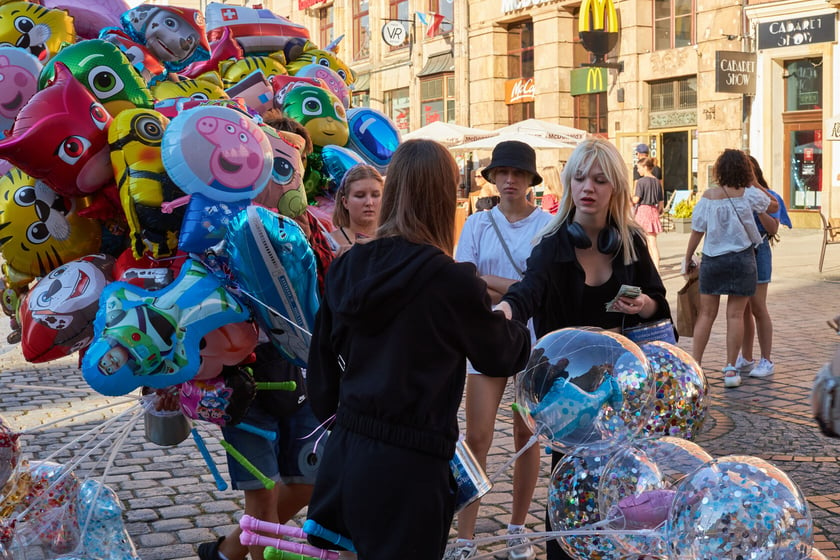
[[803, 164]]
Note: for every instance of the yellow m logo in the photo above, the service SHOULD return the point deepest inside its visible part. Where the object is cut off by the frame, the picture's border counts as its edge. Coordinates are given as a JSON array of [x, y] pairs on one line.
[[595, 80], [597, 15]]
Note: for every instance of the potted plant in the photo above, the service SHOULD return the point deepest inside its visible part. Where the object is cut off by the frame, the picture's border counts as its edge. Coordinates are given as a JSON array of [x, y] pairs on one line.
[[682, 215]]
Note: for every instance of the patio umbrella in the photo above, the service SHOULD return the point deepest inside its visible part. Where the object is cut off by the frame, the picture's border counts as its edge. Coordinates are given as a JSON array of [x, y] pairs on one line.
[[536, 142], [536, 127], [449, 134]]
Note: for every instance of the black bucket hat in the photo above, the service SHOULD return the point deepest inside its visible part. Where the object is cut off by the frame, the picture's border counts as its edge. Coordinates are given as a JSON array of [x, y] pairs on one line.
[[515, 154]]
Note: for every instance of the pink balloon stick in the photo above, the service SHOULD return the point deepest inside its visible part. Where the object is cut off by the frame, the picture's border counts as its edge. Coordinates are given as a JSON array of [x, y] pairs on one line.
[[248, 539], [250, 523]]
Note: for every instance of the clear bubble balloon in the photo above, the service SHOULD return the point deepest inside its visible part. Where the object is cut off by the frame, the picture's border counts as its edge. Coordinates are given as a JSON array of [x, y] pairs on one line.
[[584, 386], [739, 507], [638, 486], [573, 502], [816, 555], [681, 398]]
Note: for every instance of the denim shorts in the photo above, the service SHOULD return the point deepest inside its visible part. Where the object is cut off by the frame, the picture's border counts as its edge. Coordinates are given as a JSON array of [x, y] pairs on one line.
[[764, 262], [730, 274], [292, 458]]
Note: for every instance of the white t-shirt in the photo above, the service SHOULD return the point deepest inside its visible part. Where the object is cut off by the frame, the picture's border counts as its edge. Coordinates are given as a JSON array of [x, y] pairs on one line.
[[480, 245], [728, 222]]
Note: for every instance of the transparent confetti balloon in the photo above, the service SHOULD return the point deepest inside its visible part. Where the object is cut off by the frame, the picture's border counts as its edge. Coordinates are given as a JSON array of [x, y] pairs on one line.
[[573, 502], [584, 386], [739, 507], [9, 451], [638, 486], [681, 399], [816, 555]]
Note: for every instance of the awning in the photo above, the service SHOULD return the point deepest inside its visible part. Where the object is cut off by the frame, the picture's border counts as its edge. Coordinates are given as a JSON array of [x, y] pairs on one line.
[[438, 64], [362, 83]]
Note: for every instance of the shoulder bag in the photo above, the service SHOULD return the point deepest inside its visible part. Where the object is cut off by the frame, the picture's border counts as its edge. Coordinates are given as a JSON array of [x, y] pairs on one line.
[[504, 245]]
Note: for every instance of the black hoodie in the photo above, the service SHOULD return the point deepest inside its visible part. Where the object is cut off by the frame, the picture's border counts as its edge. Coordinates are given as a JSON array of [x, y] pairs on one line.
[[390, 341]]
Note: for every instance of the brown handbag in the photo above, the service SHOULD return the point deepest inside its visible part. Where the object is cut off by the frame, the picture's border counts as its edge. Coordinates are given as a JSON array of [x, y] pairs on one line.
[[688, 305]]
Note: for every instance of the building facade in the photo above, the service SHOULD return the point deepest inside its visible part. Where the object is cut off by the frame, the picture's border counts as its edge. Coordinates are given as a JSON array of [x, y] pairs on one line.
[[688, 78]]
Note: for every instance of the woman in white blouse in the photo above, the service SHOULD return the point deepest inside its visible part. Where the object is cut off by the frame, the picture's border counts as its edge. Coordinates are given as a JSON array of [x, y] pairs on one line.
[[724, 216]]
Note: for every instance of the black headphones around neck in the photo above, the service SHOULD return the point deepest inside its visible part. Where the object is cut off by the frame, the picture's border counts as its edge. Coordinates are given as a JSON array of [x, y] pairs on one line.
[[609, 239]]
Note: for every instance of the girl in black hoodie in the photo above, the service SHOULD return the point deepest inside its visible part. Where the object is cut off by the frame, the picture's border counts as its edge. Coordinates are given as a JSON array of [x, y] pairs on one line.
[[397, 323]]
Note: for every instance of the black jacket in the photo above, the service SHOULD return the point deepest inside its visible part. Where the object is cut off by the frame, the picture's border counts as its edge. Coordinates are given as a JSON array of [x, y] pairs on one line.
[[551, 291], [400, 319]]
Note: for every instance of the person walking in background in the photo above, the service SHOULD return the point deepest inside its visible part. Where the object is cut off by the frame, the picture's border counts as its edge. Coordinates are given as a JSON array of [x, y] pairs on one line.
[[649, 199], [552, 189], [498, 242], [756, 315], [724, 215], [397, 323], [643, 151], [487, 196], [357, 205], [586, 252]]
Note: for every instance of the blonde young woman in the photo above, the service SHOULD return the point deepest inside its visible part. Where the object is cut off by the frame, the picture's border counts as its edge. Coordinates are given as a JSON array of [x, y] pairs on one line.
[[589, 249], [357, 205], [498, 242], [552, 189]]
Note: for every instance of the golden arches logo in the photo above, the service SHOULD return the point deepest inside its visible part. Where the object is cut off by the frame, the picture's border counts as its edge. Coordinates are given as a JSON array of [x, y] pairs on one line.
[[595, 80], [597, 15]]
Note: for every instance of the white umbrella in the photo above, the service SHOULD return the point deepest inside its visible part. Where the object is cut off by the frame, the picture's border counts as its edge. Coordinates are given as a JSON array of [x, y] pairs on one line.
[[536, 142], [449, 134], [536, 127]]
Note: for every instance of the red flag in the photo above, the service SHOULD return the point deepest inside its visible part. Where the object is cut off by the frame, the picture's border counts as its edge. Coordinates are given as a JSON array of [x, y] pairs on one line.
[[434, 27]]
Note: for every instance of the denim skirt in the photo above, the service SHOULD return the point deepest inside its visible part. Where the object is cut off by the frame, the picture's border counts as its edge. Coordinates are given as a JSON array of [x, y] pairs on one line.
[[730, 274]]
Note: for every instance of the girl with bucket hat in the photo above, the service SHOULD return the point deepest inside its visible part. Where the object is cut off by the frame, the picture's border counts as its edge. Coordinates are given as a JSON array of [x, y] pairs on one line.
[[498, 243]]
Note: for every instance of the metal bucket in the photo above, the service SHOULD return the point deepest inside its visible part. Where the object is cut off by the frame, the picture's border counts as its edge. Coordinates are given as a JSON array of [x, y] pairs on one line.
[[164, 427], [473, 482]]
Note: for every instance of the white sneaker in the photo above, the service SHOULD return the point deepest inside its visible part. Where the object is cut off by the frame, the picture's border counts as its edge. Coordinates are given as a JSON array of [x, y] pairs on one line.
[[764, 368], [461, 550], [744, 366], [520, 546], [731, 377]]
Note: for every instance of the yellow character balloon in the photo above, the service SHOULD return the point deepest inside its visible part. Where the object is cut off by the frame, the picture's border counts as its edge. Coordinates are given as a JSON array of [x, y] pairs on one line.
[[203, 87], [38, 30], [135, 138]]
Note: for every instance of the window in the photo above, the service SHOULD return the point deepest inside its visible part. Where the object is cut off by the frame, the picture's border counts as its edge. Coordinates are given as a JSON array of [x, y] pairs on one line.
[[360, 99], [398, 108], [803, 84], [447, 10], [520, 43], [437, 99], [669, 95], [325, 26], [591, 113], [361, 30], [398, 9], [673, 24]]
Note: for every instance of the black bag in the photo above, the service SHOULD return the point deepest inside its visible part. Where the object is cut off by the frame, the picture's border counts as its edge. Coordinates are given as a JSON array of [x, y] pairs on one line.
[[270, 365], [487, 202]]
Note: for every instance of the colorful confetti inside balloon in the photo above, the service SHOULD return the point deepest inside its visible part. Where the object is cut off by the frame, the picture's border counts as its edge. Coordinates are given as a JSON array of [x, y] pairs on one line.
[[737, 507], [9, 451]]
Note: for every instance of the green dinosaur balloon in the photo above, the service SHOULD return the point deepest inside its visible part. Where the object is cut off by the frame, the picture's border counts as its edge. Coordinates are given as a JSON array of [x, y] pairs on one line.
[[105, 71]]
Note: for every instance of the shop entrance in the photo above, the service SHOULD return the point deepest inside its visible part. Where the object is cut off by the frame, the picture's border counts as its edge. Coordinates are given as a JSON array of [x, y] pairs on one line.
[[676, 153], [803, 164]]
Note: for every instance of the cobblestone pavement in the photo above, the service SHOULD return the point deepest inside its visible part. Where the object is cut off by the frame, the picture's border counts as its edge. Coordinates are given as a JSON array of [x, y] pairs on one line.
[[172, 503]]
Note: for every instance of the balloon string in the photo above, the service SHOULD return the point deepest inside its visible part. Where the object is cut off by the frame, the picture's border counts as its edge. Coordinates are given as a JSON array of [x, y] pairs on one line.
[[101, 483], [531, 441], [51, 388], [322, 426], [274, 311], [71, 417]]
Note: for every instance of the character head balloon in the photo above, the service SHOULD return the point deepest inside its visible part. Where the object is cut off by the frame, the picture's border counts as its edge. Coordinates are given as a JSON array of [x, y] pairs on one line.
[[61, 137], [38, 30], [174, 36], [19, 72], [584, 386], [320, 111], [57, 313]]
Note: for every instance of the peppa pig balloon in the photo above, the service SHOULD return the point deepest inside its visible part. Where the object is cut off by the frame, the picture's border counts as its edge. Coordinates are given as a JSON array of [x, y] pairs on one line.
[[223, 160], [19, 72]]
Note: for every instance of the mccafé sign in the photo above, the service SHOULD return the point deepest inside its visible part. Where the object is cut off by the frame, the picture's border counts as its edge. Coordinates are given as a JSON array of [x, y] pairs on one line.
[[520, 90]]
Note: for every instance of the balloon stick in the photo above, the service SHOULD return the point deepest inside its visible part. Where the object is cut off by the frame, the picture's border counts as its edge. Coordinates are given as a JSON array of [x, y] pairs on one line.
[[248, 539], [199, 442], [315, 529], [276, 385], [250, 428], [250, 523], [267, 482]]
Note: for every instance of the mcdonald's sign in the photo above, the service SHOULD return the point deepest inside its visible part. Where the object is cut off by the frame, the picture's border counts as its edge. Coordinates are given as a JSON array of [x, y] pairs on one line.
[[598, 27], [588, 80]]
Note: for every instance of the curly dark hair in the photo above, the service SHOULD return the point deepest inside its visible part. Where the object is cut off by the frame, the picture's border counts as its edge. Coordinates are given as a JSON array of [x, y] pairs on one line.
[[733, 169]]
